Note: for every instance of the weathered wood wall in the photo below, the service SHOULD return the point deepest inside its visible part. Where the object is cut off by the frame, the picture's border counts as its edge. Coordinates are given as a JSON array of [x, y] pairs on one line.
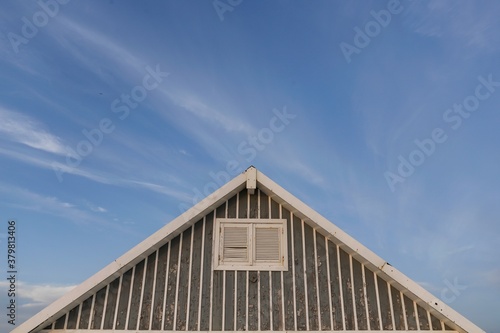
[[175, 288]]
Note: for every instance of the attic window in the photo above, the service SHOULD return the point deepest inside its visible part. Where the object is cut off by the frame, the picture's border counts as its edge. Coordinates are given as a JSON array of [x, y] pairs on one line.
[[250, 244]]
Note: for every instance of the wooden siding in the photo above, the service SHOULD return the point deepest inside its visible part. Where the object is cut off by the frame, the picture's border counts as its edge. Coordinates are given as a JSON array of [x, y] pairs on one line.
[[175, 288]]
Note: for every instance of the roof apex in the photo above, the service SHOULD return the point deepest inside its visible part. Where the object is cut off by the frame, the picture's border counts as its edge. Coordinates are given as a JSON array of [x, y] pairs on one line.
[[251, 179]]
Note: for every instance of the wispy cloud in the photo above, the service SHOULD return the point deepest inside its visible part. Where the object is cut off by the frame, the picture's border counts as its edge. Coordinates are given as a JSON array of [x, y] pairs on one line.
[[202, 109], [99, 177], [26, 130], [463, 22], [33, 295]]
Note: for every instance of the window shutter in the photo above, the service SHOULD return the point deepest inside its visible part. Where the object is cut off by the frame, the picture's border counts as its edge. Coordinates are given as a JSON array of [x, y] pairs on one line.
[[235, 247], [267, 244]]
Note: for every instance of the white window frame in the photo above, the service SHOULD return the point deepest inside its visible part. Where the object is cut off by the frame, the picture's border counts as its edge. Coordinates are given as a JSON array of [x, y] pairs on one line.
[[251, 264]]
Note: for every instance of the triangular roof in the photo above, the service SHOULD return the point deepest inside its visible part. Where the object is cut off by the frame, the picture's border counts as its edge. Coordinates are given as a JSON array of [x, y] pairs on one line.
[[251, 179]]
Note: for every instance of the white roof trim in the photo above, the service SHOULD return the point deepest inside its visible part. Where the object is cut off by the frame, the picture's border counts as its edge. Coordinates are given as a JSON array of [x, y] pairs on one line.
[[133, 256], [300, 209], [136, 331], [414, 291]]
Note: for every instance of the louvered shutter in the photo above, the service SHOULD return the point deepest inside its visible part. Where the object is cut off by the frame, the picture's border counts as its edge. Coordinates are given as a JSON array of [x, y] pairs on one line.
[[268, 244], [235, 244]]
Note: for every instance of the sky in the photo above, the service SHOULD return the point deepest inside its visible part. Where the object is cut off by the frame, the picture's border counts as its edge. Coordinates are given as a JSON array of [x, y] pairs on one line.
[[116, 116]]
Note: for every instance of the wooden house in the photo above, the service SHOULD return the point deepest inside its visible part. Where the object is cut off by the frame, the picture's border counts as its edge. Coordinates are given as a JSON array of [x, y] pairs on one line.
[[249, 257]]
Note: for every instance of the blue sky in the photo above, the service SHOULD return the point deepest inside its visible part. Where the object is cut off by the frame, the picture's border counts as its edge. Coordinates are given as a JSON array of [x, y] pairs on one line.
[[391, 132]]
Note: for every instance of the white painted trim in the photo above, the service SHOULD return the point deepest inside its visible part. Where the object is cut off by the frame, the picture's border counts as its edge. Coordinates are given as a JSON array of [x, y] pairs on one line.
[[132, 279], [330, 299], [251, 180], [79, 315], [132, 257], [318, 305], [341, 291], [165, 292], [282, 294], [201, 272], [188, 305], [304, 274], [417, 319], [353, 293], [375, 278], [365, 294], [405, 314], [292, 246], [117, 300], [391, 306], [153, 290], [135, 331], [144, 271], [251, 264], [177, 282], [91, 316], [411, 289], [105, 305]]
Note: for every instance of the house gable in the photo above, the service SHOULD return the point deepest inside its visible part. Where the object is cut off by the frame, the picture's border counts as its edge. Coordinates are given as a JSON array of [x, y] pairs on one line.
[[168, 281]]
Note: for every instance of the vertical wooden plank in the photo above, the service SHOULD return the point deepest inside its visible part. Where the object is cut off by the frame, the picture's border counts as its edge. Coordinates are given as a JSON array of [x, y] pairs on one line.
[[243, 204], [253, 211], [217, 297], [170, 301], [347, 286], [207, 270], [265, 296], [98, 309], [59, 323], [109, 316], [264, 205], [136, 296], [121, 317], [147, 297], [371, 297], [436, 323], [277, 277], [231, 207], [359, 295], [410, 313], [229, 301], [324, 294], [184, 283], [310, 272], [423, 319], [397, 306], [323, 290], [195, 276], [277, 295], [336, 296], [253, 311], [385, 309], [159, 293], [300, 293], [73, 317], [241, 301], [288, 278], [85, 314]]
